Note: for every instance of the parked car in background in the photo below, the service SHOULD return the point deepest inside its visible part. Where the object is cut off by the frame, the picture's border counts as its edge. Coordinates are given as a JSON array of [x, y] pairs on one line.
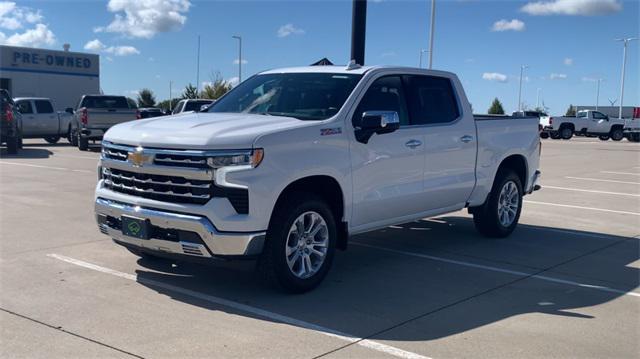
[[291, 162], [149, 112], [632, 126], [191, 105], [537, 114], [10, 123], [40, 120], [95, 114], [586, 122]]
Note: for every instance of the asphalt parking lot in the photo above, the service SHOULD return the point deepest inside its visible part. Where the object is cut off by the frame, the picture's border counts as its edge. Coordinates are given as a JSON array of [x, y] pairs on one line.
[[565, 284]]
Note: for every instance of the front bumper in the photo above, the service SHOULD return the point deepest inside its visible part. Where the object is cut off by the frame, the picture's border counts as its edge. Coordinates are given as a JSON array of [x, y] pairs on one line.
[[176, 233]]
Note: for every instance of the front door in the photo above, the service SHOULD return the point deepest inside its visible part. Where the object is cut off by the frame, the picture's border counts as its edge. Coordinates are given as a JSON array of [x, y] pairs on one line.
[[599, 123], [388, 170]]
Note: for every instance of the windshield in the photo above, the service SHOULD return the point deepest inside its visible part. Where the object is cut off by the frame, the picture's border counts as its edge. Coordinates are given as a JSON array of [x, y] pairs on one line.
[[305, 96]]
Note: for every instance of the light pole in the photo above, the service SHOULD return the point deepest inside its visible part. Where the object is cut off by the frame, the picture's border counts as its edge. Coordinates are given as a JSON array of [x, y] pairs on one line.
[[433, 19], [538, 97], [198, 69], [624, 65], [422, 51], [239, 38], [170, 96], [520, 90], [598, 94]]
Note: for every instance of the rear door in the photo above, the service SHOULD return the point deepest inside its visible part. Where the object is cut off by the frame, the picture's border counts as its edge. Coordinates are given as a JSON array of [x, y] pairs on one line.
[[106, 111], [450, 143], [46, 118], [29, 123]]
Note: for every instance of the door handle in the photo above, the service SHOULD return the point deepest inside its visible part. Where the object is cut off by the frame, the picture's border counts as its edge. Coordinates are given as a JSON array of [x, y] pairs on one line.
[[466, 138], [413, 143]]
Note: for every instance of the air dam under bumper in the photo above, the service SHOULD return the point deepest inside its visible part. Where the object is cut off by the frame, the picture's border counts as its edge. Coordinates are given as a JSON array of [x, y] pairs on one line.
[[170, 228]]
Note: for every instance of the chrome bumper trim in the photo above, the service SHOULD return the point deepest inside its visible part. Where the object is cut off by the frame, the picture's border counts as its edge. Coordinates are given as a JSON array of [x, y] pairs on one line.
[[219, 243]]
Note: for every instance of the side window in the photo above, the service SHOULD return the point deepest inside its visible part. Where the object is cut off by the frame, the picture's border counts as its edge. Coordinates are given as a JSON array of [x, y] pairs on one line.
[[43, 106], [431, 100], [598, 115], [24, 107], [384, 94]]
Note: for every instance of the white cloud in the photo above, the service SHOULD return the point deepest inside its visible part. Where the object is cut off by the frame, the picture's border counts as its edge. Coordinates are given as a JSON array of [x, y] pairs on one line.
[[146, 18], [494, 76], [14, 17], [589, 79], [36, 37], [506, 25], [233, 81], [236, 62], [572, 7], [289, 29], [555, 76], [97, 46], [568, 61]]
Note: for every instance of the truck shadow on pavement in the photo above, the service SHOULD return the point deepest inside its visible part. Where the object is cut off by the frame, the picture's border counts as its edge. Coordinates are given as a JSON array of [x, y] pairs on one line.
[[400, 283], [29, 153]]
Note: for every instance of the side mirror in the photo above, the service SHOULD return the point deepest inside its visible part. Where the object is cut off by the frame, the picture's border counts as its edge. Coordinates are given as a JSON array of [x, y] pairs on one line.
[[204, 108], [68, 110], [379, 122]]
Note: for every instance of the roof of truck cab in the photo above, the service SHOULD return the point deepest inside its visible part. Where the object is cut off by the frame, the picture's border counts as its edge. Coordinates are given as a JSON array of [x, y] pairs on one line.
[[342, 69], [31, 98]]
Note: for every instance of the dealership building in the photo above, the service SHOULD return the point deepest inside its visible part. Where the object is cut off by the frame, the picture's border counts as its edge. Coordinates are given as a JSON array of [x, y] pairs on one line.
[[62, 76]]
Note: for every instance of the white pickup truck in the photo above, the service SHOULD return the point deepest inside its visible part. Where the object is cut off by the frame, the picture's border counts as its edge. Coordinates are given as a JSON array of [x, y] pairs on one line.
[[290, 163], [586, 122], [40, 120]]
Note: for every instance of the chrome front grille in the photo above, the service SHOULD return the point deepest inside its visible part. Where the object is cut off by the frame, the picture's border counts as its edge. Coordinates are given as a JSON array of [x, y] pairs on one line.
[[162, 188]]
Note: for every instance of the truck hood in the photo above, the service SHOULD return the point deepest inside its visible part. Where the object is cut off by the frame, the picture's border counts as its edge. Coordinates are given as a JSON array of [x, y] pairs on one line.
[[199, 130]]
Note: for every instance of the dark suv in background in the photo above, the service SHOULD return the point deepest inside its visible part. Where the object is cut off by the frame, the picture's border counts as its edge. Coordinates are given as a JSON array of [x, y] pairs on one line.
[[10, 123]]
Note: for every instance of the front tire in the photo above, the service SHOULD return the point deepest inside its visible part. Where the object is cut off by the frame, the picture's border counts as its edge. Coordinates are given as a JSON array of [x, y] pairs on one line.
[[499, 215], [300, 243], [13, 144]]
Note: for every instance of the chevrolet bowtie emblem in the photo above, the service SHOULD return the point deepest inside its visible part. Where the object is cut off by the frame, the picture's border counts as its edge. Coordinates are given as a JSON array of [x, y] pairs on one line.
[[138, 158]]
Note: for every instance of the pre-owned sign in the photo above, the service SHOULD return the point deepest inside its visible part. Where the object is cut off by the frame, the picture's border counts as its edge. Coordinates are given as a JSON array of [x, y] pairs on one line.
[[48, 61]]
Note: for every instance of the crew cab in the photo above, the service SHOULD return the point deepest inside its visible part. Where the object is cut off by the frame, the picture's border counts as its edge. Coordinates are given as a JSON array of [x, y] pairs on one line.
[[586, 122], [10, 123], [40, 120], [95, 114], [290, 163]]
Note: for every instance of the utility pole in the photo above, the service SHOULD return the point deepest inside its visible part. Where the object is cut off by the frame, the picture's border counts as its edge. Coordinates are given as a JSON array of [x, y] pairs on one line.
[[358, 30], [239, 38], [421, 52], [170, 97], [198, 69], [624, 65], [520, 90], [538, 97], [433, 19]]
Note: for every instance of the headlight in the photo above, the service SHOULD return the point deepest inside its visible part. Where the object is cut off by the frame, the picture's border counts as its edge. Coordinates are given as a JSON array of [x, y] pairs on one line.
[[247, 158]]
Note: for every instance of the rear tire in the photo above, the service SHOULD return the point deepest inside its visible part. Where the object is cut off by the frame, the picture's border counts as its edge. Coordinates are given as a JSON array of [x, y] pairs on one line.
[[83, 143], [566, 133], [72, 138], [12, 145], [290, 248], [544, 135], [52, 139], [499, 215], [617, 134]]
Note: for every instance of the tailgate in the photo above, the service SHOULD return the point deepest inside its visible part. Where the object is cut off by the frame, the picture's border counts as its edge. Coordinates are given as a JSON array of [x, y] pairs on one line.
[[108, 117]]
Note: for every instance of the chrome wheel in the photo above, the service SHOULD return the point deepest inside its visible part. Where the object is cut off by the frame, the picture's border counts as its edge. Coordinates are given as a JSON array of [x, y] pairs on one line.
[[307, 244], [508, 203]]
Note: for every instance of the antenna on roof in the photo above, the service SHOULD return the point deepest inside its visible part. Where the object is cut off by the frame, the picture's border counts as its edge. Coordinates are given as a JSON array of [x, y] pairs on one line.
[[353, 65]]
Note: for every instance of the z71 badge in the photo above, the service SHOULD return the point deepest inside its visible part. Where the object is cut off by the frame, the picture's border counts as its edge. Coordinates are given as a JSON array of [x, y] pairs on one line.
[[330, 131]]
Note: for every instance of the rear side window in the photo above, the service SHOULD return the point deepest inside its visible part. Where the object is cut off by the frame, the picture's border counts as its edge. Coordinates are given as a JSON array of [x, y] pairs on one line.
[[431, 100], [24, 107], [43, 106], [582, 115], [105, 102], [384, 94]]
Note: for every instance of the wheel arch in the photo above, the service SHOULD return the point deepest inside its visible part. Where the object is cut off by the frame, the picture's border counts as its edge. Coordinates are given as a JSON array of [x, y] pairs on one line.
[[327, 188], [517, 163]]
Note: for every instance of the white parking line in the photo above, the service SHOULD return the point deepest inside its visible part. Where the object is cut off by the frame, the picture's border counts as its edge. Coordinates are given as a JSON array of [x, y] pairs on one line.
[[621, 173], [600, 180], [47, 167], [79, 157], [592, 191], [500, 270], [580, 207], [383, 348]]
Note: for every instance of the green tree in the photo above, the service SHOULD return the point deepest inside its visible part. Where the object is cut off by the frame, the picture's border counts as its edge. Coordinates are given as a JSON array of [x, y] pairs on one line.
[[132, 103], [496, 108], [571, 111], [190, 92], [146, 98], [216, 88]]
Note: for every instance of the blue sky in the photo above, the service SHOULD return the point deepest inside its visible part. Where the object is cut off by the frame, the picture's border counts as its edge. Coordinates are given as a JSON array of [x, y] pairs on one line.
[[146, 43]]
